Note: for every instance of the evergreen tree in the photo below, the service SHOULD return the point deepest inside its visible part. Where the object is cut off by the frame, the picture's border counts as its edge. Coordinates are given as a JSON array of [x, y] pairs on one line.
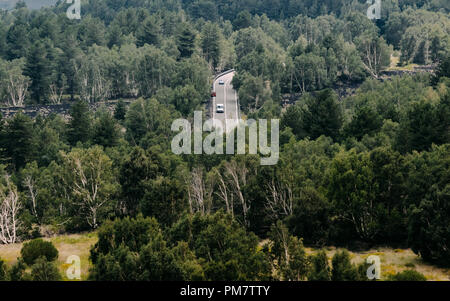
[[120, 110], [80, 125], [323, 115], [18, 271], [148, 33], [134, 250], [443, 70], [38, 69], [44, 270], [17, 38], [136, 170], [424, 124], [429, 216], [243, 20], [35, 249], [3, 270], [106, 130], [3, 45], [186, 42], [210, 42], [320, 270], [343, 269], [365, 122], [19, 140]]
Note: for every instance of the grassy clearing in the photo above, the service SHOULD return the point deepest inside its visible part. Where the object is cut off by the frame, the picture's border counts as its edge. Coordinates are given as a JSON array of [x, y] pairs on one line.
[[67, 245], [395, 64], [394, 261]]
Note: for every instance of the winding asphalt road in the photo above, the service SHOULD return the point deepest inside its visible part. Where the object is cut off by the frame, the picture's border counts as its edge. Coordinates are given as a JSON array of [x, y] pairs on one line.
[[226, 96]]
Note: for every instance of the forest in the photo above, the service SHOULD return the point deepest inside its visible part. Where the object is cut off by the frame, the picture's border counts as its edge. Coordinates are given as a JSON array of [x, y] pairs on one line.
[[364, 155]]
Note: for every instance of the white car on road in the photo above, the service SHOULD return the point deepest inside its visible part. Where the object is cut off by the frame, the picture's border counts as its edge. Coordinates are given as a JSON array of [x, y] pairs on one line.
[[221, 82], [220, 108]]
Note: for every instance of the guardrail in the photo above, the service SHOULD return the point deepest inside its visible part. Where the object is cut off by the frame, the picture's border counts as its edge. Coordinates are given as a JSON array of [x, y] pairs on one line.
[[222, 74], [237, 98]]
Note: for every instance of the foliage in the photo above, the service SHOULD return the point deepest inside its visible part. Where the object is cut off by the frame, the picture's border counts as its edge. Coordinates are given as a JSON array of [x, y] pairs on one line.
[[33, 250], [228, 252], [17, 272], [133, 249], [288, 253], [320, 270], [344, 270], [320, 115], [428, 219], [90, 183], [408, 275], [43, 270], [3, 270]]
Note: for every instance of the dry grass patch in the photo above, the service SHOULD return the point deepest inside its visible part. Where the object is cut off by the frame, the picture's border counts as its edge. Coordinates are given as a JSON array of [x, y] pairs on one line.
[[394, 261], [67, 245]]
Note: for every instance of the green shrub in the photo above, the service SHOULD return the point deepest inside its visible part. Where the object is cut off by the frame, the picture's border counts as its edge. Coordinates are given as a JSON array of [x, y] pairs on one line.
[[320, 268], [408, 275], [344, 270], [44, 270], [18, 271], [3, 270], [34, 249]]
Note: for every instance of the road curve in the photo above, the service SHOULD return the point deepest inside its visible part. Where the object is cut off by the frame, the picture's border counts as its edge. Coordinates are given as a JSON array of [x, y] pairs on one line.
[[227, 96]]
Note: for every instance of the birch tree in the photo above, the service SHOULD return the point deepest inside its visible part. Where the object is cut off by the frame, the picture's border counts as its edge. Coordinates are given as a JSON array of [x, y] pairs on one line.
[[199, 193], [30, 176], [94, 85], [375, 53], [236, 175], [223, 192], [89, 176], [280, 199], [10, 206], [15, 84]]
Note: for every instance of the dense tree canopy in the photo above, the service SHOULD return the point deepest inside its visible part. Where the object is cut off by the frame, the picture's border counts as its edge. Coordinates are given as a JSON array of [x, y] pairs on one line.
[[364, 136]]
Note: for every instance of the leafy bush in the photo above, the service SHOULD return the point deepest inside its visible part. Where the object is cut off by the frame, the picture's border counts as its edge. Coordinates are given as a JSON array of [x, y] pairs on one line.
[[135, 250], [429, 233], [3, 270], [227, 251], [320, 268], [344, 270], [288, 254], [44, 270], [18, 272], [34, 249], [408, 275]]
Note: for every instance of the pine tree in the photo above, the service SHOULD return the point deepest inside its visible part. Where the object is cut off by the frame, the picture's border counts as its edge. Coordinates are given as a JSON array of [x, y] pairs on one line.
[[18, 141], [38, 69], [80, 124], [443, 70], [343, 269], [323, 116], [3, 270], [17, 39], [243, 20], [149, 33], [211, 44], [186, 42], [320, 268], [106, 130], [120, 110], [44, 270]]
